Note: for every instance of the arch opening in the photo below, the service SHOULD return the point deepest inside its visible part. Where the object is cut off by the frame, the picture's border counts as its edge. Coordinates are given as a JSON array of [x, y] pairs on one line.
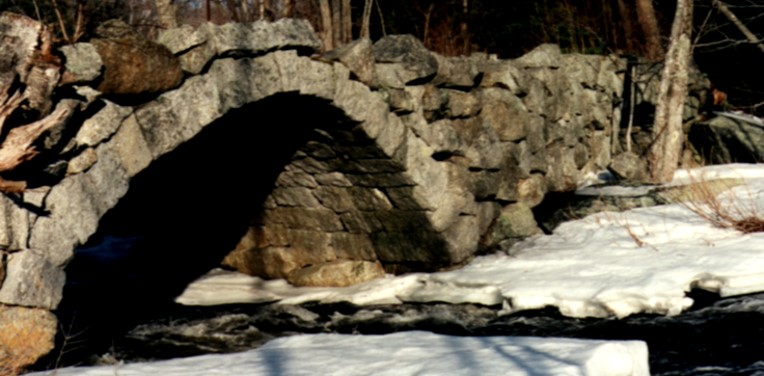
[[307, 182], [182, 214]]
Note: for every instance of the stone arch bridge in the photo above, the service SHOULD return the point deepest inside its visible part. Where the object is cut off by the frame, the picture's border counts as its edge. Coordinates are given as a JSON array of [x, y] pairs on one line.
[[383, 155]]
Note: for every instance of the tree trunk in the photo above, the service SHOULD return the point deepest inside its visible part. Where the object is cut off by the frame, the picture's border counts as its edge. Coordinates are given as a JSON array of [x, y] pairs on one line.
[[166, 12], [628, 26], [365, 22], [288, 8], [233, 9], [347, 22], [663, 155], [336, 23], [327, 34], [649, 23], [464, 28]]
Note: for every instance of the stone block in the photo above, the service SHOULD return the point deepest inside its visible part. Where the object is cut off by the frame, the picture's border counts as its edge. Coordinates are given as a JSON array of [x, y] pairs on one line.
[[15, 225], [307, 219], [455, 72], [102, 125], [352, 246], [82, 63], [337, 199], [339, 273], [544, 56], [460, 104], [333, 179], [131, 147], [294, 177], [296, 197], [505, 114], [369, 199], [358, 57], [26, 334], [132, 64], [32, 280]]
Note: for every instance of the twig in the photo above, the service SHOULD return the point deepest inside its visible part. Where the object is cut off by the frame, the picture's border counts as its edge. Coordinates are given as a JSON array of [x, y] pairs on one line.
[[60, 21]]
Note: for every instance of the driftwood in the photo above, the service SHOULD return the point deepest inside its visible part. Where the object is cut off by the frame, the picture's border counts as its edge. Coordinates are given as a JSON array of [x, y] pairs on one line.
[[17, 146], [28, 75]]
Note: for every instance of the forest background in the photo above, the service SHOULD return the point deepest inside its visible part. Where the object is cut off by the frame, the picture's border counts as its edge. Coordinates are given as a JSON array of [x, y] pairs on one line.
[[733, 61]]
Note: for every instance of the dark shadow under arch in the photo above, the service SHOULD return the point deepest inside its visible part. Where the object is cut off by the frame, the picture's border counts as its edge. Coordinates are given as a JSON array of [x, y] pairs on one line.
[[182, 215]]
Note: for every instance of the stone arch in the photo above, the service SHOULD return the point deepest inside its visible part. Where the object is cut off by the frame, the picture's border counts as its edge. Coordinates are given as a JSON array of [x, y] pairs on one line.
[[400, 170]]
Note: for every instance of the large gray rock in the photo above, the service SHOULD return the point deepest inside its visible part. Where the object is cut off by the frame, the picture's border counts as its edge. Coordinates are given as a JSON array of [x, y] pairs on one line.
[[629, 166], [514, 223], [197, 47], [544, 56], [403, 59], [82, 63], [729, 139], [358, 57]]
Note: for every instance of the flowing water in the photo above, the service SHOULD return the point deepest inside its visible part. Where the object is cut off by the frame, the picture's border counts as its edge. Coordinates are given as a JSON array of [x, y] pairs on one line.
[[720, 337]]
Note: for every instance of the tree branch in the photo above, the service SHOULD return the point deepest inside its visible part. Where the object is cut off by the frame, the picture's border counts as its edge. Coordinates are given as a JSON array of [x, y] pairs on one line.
[[735, 21]]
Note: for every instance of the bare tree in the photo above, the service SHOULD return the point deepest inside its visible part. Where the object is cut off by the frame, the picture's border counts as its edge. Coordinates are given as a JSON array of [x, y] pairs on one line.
[[663, 155]]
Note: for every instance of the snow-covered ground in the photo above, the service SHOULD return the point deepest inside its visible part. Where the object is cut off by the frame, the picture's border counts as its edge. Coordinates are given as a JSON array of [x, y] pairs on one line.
[[608, 264], [407, 353]]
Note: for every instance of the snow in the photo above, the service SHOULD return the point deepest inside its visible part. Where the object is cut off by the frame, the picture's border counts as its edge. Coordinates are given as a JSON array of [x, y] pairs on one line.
[[608, 264], [406, 353]]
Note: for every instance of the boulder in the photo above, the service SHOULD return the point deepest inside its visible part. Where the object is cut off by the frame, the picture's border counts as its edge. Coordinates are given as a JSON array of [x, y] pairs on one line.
[[729, 138], [629, 166], [455, 72], [358, 57], [514, 223], [26, 334], [401, 60], [134, 65]]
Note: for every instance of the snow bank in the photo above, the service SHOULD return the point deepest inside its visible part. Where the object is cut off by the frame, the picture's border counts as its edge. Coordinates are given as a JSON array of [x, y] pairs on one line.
[[607, 264], [406, 353]]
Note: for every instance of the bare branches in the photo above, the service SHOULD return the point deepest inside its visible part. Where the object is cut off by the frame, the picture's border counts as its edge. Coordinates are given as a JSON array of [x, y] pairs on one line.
[[751, 37]]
